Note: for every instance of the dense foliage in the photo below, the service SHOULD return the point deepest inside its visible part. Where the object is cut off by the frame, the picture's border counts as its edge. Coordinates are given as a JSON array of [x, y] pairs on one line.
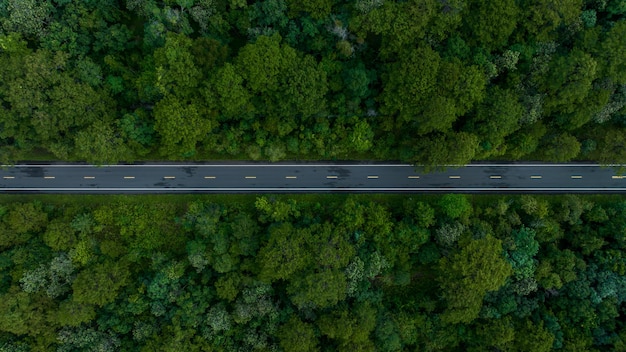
[[512, 273], [429, 81]]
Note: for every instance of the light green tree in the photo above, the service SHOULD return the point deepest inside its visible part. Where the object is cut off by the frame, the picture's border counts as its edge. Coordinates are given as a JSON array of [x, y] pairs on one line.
[[181, 126], [296, 335], [466, 276]]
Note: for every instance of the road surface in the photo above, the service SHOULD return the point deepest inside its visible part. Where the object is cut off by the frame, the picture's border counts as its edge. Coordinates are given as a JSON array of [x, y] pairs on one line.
[[309, 177]]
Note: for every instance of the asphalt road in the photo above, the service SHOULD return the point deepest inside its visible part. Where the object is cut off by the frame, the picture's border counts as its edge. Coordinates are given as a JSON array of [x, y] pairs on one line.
[[307, 177]]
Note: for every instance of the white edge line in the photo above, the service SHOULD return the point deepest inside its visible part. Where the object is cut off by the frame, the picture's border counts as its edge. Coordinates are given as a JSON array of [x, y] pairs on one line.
[[446, 189], [317, 165], [214, 165]]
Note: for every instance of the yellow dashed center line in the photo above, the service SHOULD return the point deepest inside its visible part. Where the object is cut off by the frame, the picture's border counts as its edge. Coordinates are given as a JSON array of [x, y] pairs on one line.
[[535, 176], [618, 177], [454, 176], [291, 177], [89, 177], [414, 177], [209, 177], [129, 177], [577, 176], [372, 177], [249, 177], [495, 176], [48, 177], [331, 176], [169, 177], [8, 177]]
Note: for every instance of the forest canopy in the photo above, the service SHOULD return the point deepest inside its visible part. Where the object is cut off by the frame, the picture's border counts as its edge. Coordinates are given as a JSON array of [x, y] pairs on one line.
[[423, 81], [313, 273]]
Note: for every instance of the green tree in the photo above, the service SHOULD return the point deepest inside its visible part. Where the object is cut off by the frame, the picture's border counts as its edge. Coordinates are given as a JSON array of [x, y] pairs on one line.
[[521, 253], [284, 254], [361, 136], [320, 290], [100, 284], [27, 217], [176, 72], [181, 126], [26, 314], [532, 337], [101, 144], [303, 87], [567, 84], [60, 236], [452, 149], [234, 98], [545, 16], [448, 234], [466, 276], [296, 335], [71, 313], [318, 9], [46, 102], [398, 23], [463, 84], [490, 24], [560, 148], [612, 147], [455, 205], [260, 63], [498, 334], [409, 84], [610, 65], [351, 329], [28, 17], [496, 118]]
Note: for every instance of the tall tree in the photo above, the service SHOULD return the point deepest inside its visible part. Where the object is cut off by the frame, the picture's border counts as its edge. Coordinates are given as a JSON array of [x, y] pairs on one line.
[[181, 126], [466, 276]]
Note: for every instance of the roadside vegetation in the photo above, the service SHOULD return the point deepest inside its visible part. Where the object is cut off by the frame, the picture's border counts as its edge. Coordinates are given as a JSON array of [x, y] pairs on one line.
[[312, 273], [425, 81]]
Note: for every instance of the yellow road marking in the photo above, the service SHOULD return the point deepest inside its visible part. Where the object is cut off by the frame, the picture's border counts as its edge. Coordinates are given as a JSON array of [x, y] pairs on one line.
[[291, 177], [129, 177], [211, 177], [169, 177], [535, 176], [454, 176], [495, 176], [414, 177], [250, 176], [331, 176], [9, 177], [372, 176], [48, 177], [576, 176], [89, 177], [617, 177]]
